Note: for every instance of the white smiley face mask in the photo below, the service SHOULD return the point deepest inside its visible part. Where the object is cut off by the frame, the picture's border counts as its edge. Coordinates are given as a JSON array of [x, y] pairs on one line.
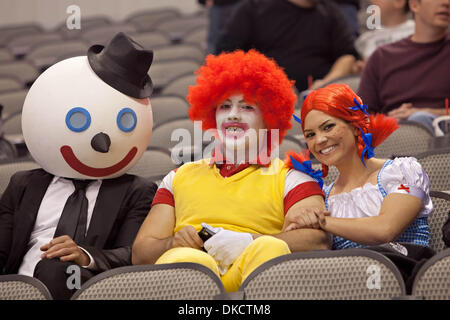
[[77, 126]]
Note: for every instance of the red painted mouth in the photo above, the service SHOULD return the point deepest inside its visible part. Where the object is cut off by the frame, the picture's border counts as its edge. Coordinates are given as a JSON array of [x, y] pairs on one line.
[[80, 167], [237, 134]]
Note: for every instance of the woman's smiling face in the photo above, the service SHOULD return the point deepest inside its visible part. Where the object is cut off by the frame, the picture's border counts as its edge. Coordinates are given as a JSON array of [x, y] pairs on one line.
[[331, 140]]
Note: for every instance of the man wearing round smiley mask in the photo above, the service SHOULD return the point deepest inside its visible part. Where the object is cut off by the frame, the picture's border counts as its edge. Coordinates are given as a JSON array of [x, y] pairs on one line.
[[86, 121], [241, 195]]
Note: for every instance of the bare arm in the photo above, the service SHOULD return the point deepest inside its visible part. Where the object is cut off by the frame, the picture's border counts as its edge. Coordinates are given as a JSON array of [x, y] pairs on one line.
[[155, 235], [306, 238], [342, 66], [397, 212], [407, 109]]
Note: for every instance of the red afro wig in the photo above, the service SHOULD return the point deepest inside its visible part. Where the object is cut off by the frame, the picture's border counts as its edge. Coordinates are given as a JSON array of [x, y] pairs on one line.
[[336, 100], [259, 79]]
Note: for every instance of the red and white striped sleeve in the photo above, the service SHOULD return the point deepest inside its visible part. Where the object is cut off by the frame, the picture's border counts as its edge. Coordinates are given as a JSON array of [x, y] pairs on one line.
[[298, 186], [164, 194]]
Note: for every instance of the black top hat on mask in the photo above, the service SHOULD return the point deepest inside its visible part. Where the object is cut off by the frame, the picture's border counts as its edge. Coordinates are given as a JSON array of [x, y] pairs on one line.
[[123, 64]]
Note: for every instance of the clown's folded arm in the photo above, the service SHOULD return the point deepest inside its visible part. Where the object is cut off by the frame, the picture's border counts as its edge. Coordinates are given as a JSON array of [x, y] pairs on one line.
[[86, 121]]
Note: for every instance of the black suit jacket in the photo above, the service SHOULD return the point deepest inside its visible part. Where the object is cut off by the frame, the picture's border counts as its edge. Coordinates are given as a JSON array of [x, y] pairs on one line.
[[121, 206]]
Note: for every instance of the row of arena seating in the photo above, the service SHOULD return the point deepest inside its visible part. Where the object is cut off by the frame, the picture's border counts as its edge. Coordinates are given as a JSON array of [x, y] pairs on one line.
[[179, 45], [352, 274], [178, 41], [156, 162]]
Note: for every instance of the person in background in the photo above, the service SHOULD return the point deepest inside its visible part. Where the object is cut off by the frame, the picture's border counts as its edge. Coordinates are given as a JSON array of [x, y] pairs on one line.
[[350, 10], [240, 193], [375, 203], [310, 39], [395, 25], [219, 12], [409, 79]]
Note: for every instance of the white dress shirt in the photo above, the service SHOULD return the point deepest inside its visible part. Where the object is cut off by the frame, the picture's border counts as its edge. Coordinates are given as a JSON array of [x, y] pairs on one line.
[[48, 217]]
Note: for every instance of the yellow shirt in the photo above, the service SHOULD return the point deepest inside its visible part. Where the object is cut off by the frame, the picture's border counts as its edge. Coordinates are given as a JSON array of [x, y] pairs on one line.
[[248, 201]]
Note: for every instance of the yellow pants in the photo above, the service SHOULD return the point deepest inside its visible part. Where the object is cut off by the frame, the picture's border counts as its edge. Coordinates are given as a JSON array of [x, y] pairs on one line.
[[259, 251]]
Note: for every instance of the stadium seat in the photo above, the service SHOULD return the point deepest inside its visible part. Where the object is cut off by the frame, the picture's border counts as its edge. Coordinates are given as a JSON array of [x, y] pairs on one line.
[[441, 204], [177, 28], [44, 55], [288, 144], [12, 128], [296, 130], [352, 81], [85, 25], [103, 34], [72, 54], [432, 281], [7, 169], [162, 134], [5, 55], [351, 274], [178, 51], [8, 33], [154, 164], [12, 101], [147, 19], [22, 70], [411, 138], [165, 71], [151, 39], [180, 84], [436, 164], [168, 107], [20, 287], [197, 35], [176, 281], [8, 83], [22, 44], [301, 98], [438, 122], [333, 173]]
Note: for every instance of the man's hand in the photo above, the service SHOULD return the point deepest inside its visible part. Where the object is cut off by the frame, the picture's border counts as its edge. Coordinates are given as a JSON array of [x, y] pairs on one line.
[[358, 66], [313, 218], [226, 246], [187, 237], [403, 112], [65, 249]]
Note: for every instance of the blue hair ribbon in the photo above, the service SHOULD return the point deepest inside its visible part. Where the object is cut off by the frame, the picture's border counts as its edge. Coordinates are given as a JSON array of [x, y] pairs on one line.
[[362, 107], [368, 149], [297, 119], [305, 167]]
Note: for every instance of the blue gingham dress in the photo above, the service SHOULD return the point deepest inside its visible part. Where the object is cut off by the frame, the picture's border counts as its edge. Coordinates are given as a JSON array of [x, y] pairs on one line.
[[401, 175]]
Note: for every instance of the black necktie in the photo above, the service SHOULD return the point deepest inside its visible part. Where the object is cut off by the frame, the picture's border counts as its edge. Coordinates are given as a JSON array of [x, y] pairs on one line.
[[73, 219]]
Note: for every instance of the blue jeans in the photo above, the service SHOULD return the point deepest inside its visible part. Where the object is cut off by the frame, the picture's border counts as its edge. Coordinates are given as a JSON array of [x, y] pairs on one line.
[[351, 14], [218, 17], [424, 118]]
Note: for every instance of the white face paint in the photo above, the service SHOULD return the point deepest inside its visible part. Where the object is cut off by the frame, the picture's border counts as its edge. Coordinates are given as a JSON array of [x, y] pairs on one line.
[[239, 124], [68, 108]]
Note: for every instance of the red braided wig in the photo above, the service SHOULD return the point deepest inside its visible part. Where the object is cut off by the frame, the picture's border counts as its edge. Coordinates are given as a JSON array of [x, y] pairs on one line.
[[259, 79], [335, 100]]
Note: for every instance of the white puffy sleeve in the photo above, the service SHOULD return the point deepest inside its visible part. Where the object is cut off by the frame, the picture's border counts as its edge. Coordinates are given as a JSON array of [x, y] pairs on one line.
[[406, 175]]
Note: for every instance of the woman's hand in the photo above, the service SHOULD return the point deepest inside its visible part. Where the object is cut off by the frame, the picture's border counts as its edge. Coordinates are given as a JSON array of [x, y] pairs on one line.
[[313, 218]]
